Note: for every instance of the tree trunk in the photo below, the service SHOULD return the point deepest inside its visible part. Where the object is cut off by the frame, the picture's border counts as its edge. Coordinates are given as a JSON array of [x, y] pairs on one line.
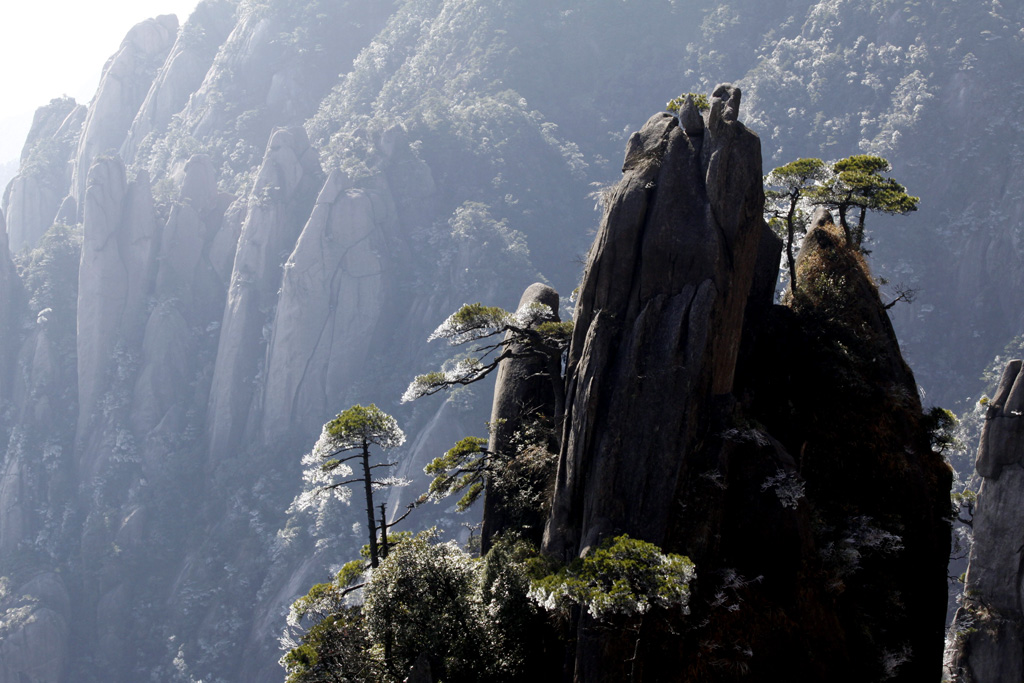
[[846, 226], [368, 488], [383, 533], [790, 229], [860, 227]]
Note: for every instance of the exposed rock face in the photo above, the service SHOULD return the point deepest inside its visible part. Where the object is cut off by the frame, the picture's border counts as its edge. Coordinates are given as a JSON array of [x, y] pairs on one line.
[[34, 196], [127, 78], [187, 64], [190, 290], [525, 389], [36, 461], [333, 292], [986, 639], [281, 199], [34, 645], [660, 311], [115, 279], [1002, 442], [819, 531], [11, 300]]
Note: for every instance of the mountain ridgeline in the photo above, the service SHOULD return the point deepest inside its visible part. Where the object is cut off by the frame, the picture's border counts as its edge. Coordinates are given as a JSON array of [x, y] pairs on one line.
[[265, 210]]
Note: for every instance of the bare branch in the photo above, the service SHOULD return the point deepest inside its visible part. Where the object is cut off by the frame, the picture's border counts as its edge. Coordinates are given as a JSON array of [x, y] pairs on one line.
[[903, 293]]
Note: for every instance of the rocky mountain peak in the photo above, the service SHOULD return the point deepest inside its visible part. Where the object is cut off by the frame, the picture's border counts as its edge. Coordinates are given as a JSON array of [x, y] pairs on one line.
[[665, 441], [662, 300]]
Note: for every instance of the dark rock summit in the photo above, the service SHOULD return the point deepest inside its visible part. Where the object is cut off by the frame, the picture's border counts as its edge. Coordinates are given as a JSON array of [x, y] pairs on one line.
[[660, 313], [818, 529]]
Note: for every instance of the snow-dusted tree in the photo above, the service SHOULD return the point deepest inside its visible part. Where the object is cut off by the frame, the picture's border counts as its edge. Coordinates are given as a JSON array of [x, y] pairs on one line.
[[353, 430], [857, 182], [623, 576], [425, 600], [494, 334], [325, 637], [785, 189]]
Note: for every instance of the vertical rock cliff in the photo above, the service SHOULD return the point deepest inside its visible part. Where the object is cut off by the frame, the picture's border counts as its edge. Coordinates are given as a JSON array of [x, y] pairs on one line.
[[526, 391], [815, 541], [34, 197], [281, 199], [11, 301], [119, 249], [334, 289], [986, 639], [187, 63], [659, 314], [127, 78]]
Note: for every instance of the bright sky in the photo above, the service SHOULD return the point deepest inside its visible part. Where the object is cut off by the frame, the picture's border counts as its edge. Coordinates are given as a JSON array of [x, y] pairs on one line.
[[50, 48]]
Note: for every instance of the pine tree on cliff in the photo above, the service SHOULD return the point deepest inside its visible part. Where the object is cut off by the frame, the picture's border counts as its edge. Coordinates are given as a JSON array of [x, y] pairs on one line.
[[494, 334], [353, 430], [857, 183], [786, 188]]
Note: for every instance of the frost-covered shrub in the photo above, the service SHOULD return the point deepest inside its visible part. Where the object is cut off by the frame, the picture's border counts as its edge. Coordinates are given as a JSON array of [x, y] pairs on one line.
[[424, 599], [623, 576]]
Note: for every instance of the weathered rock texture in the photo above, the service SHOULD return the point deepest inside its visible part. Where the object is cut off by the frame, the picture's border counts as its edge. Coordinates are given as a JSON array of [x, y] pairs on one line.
[[11, 300], [127, 78], [333, 291], [115, 279], [183, 71], [659, 314], [34, 196], [986, 639], [815, 541], [280, 202], [527, 389], [189, 290]]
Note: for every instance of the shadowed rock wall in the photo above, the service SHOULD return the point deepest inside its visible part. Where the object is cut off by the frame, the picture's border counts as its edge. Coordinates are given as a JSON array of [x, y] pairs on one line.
[[659, 315], [986, 639], [819, 529]]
